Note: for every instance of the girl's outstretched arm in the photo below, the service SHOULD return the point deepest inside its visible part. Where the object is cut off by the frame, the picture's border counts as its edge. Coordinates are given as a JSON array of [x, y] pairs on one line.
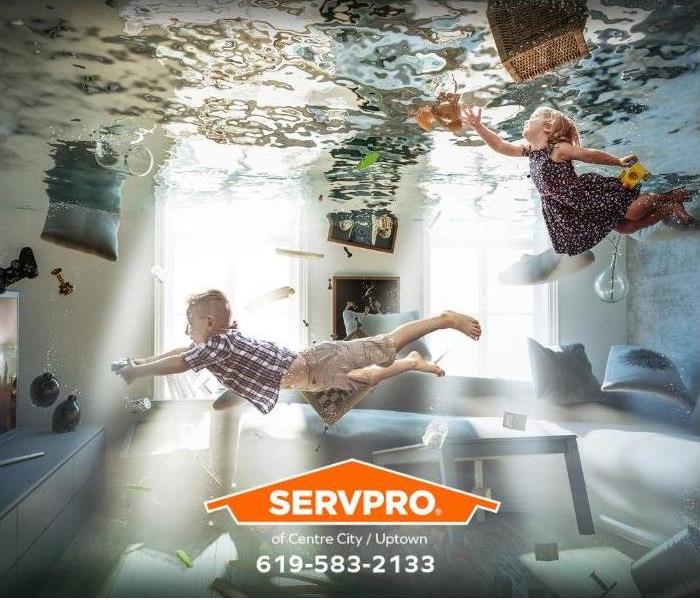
[[494, 141], [566, 151]]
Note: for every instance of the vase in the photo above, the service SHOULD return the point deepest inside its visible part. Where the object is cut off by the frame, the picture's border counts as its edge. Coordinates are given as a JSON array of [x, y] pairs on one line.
[[67, 415], [44, 390], [612, 285]]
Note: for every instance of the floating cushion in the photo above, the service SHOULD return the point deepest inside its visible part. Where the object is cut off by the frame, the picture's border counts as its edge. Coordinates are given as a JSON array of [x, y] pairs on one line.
[[84, 201], [631, 368], [544, 267]]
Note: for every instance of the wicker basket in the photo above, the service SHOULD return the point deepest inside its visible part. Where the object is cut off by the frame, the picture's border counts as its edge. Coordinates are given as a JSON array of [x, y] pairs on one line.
[[536, 36]]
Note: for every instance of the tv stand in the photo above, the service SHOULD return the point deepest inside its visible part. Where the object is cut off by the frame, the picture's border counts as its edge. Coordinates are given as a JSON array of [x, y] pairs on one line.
[[44, 501]]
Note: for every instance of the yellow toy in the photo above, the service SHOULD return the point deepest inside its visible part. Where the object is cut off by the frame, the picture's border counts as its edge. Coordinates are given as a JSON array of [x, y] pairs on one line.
[[633, 176]]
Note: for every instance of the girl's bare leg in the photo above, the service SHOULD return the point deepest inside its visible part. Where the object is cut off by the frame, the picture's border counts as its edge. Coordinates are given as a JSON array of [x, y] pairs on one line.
[[646, 203], [410, 332], [630, 226], [374, 374]]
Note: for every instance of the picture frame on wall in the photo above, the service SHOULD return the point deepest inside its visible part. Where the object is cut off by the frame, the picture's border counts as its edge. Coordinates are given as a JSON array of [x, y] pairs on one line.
[[365, 228], [370, 294]]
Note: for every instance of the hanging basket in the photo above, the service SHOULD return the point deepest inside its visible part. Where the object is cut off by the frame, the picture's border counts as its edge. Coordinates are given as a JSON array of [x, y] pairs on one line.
[[537, 36]]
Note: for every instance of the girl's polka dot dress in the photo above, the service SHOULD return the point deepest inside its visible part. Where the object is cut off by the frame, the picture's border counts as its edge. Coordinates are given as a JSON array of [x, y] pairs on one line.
[[579, 210]]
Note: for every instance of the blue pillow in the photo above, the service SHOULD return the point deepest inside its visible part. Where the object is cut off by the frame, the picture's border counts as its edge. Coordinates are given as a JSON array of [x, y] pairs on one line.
[[631, 368], [386, 323]]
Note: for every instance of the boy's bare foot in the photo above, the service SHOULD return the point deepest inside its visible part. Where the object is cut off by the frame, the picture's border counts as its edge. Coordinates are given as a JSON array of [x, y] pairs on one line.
[[464, 323], [420, 364]]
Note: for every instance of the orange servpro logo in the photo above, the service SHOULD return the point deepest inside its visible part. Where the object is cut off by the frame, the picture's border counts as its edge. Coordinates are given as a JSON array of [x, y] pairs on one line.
[[352, 492]]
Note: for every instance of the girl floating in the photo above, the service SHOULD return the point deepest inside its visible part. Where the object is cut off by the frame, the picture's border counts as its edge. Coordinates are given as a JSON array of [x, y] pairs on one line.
[[580, 211]]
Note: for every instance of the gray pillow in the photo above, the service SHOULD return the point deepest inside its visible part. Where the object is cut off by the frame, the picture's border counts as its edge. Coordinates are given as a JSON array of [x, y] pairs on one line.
[[547, 266], [631, 368], [84, 201], [562, 374], [376, 324]]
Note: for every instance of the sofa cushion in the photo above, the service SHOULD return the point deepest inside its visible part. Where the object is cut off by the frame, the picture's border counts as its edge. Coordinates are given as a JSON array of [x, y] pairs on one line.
[[386, 323], [562, 374], [635, 369]]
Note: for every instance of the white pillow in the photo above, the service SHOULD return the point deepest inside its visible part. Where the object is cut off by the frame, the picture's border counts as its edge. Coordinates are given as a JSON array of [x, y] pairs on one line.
[[544, 267]]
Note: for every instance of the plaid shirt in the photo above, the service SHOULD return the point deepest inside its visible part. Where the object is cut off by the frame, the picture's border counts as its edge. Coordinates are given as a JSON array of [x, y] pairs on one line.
[[251, 368]]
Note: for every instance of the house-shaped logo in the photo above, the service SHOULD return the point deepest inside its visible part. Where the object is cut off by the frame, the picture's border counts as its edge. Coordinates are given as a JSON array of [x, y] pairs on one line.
[[352, 492]]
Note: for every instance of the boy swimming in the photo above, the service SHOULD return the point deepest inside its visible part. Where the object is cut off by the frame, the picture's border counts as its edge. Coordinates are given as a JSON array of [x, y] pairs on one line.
[[256, 369]]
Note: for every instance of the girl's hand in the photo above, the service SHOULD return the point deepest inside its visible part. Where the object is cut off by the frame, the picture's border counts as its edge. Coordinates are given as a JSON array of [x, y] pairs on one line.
[[628, 161], [471, 117]]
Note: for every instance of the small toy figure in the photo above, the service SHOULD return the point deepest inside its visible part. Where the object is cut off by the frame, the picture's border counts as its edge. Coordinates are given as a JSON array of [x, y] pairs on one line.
[[634, 175], [445, 111]]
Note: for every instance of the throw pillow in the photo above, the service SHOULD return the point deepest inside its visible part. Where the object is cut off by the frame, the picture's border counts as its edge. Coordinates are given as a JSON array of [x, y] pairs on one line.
[[631, 368], [562, 374], [532, 269], [377, 324], [84, 201]]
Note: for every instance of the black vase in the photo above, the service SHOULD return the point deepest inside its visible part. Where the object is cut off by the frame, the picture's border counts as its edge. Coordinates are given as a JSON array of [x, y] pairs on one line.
[[44, 390], [67, 415]]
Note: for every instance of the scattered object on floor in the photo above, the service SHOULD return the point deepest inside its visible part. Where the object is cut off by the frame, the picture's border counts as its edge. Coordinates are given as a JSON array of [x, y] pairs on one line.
[[435, 433], [368, 160], [24, 266], [514, 421], [64, 287], [305, 322], [139, 488], [672, 568], [570, 576], [632, 176], [159, 273], [182, 555], [44, 390], [225, 589], [138, 406], [67, 415], [269, 297], [547, 551], [604, 586], [534, 37], [320, 197], [298, 253], [330, 285], [16, 459], [547, 266], [347, 251]]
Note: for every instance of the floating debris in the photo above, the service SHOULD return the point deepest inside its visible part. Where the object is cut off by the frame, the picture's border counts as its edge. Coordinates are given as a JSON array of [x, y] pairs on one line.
[[330, 286], [514, 421], [606, 589], [182, 555], [347, 251], [298, 253], [64, 287], [368, 160], [305, 322], [547, 551]]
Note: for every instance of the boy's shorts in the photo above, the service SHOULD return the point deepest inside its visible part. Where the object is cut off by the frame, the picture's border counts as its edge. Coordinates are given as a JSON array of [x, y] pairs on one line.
[[332, 392]]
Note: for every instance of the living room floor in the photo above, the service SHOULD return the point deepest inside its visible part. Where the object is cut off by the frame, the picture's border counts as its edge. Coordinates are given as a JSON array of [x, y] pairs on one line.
[[113, 558]]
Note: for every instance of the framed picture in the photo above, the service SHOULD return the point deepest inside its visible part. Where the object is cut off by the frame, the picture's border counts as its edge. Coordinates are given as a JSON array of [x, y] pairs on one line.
[[365, 228], [363, 293]]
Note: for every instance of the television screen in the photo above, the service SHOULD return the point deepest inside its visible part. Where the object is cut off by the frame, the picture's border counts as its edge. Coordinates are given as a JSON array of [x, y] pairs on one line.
[[9, 303]]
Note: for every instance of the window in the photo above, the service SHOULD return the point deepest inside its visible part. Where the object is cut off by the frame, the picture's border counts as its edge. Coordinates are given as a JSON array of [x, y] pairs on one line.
[[482, 228], [225, 239]]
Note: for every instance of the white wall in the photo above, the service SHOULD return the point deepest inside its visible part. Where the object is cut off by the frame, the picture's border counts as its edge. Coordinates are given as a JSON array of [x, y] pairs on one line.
[[586, 319]]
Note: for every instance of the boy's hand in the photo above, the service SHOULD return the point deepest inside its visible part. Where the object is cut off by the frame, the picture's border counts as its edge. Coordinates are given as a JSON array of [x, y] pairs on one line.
[[470, 116], [128, 373], [629, 160]]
